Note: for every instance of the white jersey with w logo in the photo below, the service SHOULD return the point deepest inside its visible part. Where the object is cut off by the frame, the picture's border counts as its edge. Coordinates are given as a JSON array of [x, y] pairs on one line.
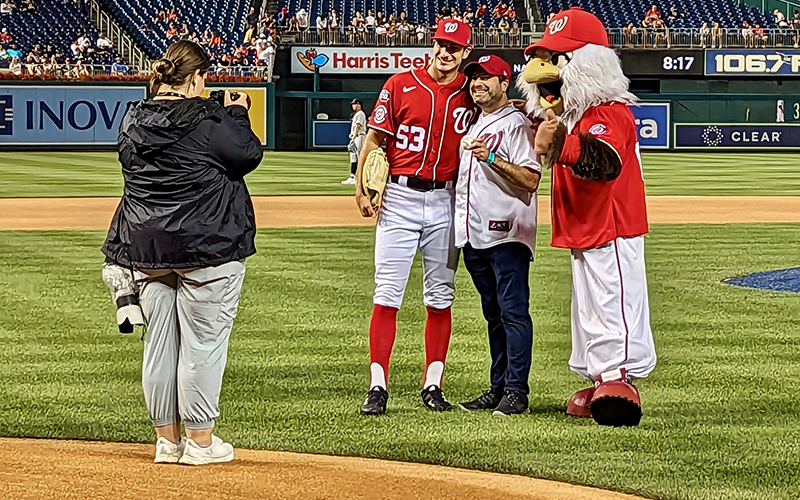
[[489, 209]]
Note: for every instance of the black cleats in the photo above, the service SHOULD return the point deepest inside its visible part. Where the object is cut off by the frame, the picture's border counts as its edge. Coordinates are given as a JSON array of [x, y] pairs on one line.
[[434, 400], [513, 403], [375, 404], [486, 401]]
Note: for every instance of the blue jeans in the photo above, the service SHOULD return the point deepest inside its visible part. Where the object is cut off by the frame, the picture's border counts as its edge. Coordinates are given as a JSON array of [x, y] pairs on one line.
[[500, 275]]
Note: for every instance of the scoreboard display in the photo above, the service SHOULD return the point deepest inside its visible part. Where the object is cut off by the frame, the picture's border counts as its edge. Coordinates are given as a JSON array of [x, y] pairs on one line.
[[667, 62]]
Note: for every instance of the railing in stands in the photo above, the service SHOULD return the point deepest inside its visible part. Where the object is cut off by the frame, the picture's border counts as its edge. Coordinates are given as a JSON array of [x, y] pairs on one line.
[[481, 38], [692, 38], [119, 37]]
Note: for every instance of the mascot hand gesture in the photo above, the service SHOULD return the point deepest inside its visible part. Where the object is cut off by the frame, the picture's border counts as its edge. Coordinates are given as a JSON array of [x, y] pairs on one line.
[[574, 84]]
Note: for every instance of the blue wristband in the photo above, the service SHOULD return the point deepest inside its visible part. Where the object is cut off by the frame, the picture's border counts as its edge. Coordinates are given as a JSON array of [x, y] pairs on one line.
[[490, 159]]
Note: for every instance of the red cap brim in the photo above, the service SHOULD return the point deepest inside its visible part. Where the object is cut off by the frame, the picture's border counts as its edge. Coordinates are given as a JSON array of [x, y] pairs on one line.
[[560, 45], [451, 38]]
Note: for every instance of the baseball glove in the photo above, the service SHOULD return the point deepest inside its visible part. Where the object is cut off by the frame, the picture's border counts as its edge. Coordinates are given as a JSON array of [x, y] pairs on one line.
[[351, 147], [374, 176]]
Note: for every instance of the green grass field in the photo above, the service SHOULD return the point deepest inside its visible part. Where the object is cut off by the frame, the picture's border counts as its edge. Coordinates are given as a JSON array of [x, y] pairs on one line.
[[721, 421], [98, 174]]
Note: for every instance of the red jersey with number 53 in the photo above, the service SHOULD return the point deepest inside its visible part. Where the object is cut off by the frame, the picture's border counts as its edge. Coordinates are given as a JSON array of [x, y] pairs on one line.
[[425, 121], [587, 214]]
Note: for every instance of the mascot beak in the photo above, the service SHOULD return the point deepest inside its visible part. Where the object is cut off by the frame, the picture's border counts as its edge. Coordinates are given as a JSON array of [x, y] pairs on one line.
[[540, 71]]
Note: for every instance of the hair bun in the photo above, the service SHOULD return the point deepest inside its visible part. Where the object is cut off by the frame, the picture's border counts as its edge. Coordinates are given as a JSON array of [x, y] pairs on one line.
[[164, 68]]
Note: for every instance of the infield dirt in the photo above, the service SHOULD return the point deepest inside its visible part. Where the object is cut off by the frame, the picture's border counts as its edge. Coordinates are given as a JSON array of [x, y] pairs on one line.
[[315, 211]]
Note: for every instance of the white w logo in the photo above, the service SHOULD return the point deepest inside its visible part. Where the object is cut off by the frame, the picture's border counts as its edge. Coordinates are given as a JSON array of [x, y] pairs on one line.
[[557, 25], [450, 27]]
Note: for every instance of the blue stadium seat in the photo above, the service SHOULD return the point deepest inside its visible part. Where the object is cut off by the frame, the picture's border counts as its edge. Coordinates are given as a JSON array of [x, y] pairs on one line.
[[58, 24], [417, 10], [226, 17], [615, 14]]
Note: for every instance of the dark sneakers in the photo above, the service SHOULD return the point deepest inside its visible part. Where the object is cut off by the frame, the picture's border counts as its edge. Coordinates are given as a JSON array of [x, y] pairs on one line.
[[434, 400], [486, 401], [375, 404], [513, 403]]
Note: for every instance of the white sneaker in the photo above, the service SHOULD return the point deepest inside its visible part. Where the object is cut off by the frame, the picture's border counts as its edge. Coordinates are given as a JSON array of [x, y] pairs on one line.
[[218, 452], [350, 180], [168, 452]]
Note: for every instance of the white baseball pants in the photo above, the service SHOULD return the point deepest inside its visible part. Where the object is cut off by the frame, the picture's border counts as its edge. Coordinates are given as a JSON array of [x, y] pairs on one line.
[[411, 220], [610, 311]]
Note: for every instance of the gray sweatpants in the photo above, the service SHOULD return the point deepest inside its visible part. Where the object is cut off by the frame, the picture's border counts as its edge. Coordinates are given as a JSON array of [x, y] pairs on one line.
[[189, 314]]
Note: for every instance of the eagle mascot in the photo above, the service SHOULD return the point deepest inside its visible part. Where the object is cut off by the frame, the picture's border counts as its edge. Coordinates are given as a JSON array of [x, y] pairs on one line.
[[574, 88]]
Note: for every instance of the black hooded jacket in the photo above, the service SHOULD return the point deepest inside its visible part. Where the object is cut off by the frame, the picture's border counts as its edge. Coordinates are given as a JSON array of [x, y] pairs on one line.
[[185, 202]]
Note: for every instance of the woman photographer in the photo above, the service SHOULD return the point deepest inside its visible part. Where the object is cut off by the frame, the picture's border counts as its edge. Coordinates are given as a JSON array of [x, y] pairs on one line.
[[184, 226]]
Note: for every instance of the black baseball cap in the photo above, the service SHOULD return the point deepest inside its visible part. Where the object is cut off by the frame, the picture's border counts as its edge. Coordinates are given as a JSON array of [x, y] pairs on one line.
[[355, 101]]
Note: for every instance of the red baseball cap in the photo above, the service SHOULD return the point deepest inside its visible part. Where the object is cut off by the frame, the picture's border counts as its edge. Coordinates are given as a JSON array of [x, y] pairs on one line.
[[454, 31], [570, 30], [492, 64]]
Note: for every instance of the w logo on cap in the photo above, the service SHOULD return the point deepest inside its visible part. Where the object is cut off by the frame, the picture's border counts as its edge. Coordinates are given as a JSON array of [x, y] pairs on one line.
[[484, 59], [557, 25], [450, 27]]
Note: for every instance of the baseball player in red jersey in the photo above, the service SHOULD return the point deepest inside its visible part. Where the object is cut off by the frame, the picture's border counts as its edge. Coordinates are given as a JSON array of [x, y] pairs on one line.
[[422, 114], [598, 209]]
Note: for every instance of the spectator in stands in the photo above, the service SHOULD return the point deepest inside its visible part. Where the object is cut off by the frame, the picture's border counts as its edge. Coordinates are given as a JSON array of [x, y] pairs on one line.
[[13, 51], [480, 13], [630, 35], [283, 18], [252, 17], [33, 60], [15, 66], [215, 41], [4, 54], [705, 35], [381, 32], [172, 32], [333, 26], [511, 13], [29, 7], [161, 17], [651, 16], [103, 44], [759, 36], [370, 20], [674, 14], [747, 34], [504, 27], [322, 28], [302, 19], [184, 32], [293, 25], [780, 19], [118, 68], [445, 11], [75, 49], [266, 56], [661, 33], [206, 38], [716, 35], [172, 16], [5, 36], [249, 35], [468, 16], [194, 38], [7, 8], [549, 17], [421, 31], [796, 27]]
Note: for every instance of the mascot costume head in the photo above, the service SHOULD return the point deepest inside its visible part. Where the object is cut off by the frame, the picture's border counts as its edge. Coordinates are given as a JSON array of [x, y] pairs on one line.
[[572, 69]]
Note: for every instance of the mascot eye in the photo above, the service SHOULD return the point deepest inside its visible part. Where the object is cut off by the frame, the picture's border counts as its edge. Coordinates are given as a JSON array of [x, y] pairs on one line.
[[560, 60]]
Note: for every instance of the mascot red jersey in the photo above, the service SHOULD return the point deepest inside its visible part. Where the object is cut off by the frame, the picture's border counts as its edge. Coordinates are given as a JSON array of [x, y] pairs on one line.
[[574, 83]]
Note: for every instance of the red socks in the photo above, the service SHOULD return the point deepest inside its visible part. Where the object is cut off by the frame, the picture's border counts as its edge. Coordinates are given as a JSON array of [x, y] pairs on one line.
[[382, 331], [437, 339]]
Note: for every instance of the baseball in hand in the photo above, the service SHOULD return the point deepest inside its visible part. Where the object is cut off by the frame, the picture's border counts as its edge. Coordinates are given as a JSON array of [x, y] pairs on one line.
[[467, 141]]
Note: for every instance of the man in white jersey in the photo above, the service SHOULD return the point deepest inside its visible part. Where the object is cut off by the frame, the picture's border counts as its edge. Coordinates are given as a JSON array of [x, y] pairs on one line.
[[495, 223], [358, 130]]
